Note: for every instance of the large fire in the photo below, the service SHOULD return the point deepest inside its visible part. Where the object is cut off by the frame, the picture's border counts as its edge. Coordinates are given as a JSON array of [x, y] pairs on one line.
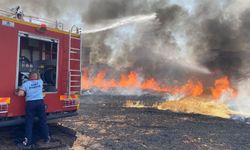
[[196, 97], [132, 81]]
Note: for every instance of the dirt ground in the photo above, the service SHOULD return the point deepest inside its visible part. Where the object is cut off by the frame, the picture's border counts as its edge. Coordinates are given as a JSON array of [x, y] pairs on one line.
[[103, 124]]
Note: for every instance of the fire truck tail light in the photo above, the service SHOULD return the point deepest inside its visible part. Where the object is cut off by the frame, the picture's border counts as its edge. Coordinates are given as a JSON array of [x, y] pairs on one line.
[[3, 108]]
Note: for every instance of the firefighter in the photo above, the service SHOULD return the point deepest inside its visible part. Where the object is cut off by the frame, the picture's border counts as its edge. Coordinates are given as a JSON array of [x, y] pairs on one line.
[[18, 13], [33, 92]]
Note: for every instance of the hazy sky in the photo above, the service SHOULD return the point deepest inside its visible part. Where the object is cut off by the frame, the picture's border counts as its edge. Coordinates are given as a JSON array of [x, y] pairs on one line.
[[188, 4]]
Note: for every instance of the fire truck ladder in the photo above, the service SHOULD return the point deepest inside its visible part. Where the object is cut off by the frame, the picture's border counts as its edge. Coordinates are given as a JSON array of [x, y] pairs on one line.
[[74, 62]]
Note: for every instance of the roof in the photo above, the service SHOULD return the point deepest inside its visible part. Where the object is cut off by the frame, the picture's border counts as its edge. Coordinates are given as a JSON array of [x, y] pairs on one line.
[[36, 22]]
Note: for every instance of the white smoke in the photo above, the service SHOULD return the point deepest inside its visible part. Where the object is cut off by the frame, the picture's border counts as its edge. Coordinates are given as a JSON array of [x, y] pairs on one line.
[[242, 102]]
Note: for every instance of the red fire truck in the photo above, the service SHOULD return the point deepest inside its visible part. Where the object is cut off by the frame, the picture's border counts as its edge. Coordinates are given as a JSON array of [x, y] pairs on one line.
[[33, 44]]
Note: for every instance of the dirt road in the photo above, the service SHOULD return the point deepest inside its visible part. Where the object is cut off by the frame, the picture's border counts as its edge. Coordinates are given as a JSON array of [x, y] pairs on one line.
[[103, 124]]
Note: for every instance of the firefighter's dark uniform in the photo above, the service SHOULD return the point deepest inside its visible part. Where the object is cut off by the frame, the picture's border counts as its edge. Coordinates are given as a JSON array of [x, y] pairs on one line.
[[34, 107]]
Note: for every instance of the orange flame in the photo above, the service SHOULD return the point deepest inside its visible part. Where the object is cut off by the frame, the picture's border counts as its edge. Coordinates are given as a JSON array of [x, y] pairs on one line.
[[132, 81], [85, 79], [222, 85]]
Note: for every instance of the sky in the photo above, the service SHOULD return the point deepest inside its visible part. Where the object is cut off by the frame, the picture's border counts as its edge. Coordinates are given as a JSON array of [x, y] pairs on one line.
[[188, 4]]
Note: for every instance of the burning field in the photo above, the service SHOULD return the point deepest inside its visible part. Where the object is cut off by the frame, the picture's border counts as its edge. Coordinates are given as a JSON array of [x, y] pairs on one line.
[[192, 97], [133, 82], [195, 53]]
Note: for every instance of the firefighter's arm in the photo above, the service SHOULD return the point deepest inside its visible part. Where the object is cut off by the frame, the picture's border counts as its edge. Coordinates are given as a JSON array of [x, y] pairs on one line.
[[20, 92], [44, 94]]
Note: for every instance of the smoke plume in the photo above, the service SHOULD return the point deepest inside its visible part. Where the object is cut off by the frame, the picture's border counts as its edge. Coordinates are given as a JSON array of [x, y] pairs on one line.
[[209, 38]]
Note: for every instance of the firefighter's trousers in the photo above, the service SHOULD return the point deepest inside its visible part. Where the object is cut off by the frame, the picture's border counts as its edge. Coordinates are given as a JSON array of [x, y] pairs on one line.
[[33, 109]]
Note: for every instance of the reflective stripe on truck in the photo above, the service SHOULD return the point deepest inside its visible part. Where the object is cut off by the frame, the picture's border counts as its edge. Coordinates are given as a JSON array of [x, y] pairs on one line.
[[4, 100]]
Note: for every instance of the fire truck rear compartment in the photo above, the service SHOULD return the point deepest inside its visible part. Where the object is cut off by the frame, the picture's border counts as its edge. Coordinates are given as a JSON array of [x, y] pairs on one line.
[[38, 55]]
